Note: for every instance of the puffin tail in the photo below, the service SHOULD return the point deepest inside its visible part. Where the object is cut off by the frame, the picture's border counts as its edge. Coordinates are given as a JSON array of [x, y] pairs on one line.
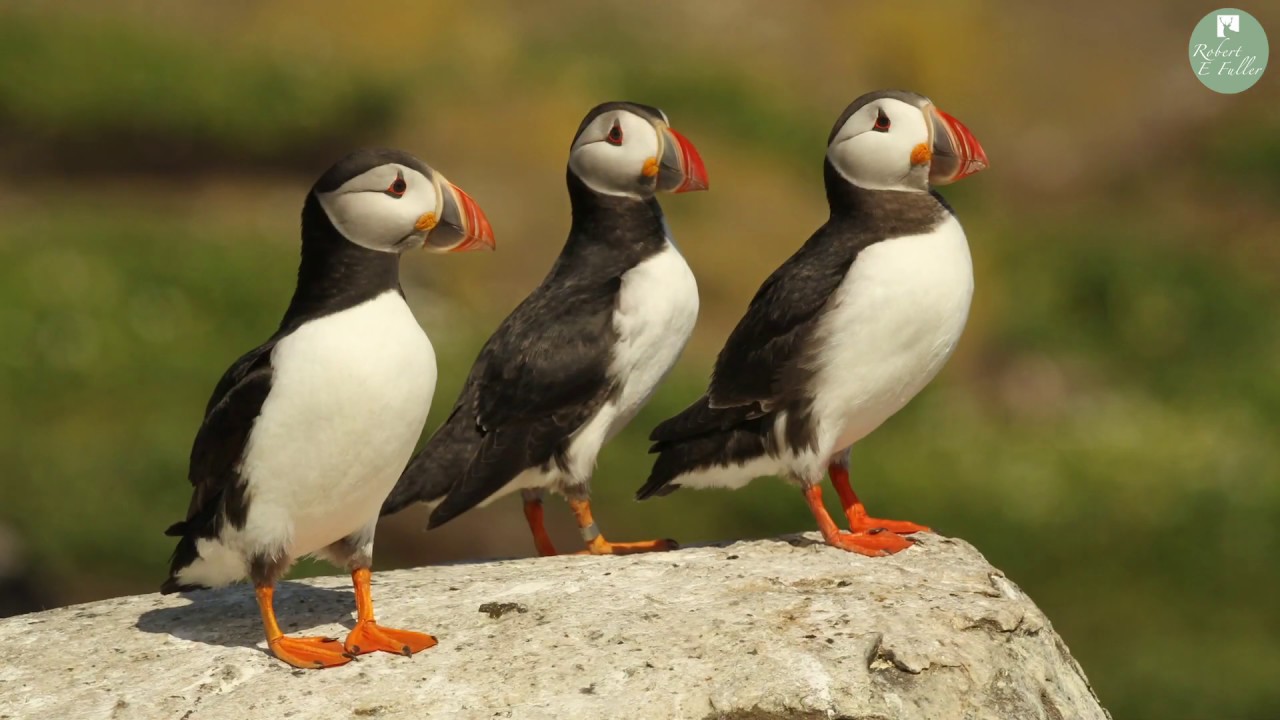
[[184, 555], [195, 565], [705, 446], [500, 456], [413, 485], [432, 473]]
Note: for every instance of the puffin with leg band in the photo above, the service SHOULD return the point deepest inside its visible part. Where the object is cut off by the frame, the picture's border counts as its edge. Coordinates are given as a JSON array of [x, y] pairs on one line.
[[307, 433], [846, 331], [576, 359]]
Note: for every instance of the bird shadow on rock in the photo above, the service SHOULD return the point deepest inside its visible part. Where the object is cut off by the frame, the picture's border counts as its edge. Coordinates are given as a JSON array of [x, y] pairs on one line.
[[229, 616]]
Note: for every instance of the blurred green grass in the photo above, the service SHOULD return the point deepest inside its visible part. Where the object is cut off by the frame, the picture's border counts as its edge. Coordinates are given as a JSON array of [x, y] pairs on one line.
[[1106, 433], [111, 95]]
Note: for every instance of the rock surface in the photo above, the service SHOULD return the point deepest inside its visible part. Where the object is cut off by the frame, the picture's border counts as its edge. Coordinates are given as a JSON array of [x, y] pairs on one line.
[[783, 628]]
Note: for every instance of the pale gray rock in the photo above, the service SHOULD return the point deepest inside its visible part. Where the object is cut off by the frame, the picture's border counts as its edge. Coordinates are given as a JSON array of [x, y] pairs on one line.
[[783, 628]]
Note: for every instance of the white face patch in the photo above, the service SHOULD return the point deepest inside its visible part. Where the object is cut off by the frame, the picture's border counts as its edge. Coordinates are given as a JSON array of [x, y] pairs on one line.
[[881, 160], [367, 210], [610, 154]]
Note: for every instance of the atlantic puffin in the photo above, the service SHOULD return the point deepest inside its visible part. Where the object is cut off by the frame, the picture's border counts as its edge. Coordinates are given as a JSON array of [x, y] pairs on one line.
[[305, 435], [846, 331], [571, 365]]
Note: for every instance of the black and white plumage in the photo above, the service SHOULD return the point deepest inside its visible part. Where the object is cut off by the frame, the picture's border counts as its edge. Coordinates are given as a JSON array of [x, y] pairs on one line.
[[305, 435], [853, 325], [583, 352]]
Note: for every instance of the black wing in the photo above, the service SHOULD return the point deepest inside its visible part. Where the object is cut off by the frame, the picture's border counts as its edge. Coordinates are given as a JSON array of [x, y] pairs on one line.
[[552, 353], [777, 323], [757, 366], [219, 445], [539, 378]]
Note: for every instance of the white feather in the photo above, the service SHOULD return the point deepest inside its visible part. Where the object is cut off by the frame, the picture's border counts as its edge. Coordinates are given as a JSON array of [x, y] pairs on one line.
[[730, 476], [881, 160], [614, 169], [657, 310], [349, 396], [371, 218], [894, 322]]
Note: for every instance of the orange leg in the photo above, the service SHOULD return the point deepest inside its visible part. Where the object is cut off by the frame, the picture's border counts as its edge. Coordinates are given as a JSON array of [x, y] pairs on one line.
[[303, 652], [368, 636], [874, 544], [859, 521], [533, 513], [597, 545]]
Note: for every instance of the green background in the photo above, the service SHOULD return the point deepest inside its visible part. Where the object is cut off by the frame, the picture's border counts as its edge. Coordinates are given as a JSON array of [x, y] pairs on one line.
[[1108, 432]]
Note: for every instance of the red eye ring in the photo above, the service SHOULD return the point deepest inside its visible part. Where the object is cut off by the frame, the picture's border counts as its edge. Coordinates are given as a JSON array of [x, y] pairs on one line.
[[882, 122], [397, 187], [615, 134]]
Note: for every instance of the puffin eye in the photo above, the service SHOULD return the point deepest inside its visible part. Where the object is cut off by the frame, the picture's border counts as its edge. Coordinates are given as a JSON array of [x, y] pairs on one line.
[[397, 187], [882, 122], [615, 134]]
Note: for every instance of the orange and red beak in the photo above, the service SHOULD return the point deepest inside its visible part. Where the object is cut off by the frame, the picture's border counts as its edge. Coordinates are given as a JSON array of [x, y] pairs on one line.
[[461, 226], [680, 168], [956, 152]]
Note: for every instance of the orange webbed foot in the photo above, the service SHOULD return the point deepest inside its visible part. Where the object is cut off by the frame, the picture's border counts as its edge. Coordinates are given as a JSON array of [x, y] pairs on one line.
[[871, 544], [600, 546], [368, 636], [310, 652], [867, 524], [856, 512]]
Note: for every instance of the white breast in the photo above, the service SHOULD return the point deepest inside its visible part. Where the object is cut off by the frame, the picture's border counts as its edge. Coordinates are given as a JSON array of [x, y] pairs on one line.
[[657, 309], [349, 396], [894, 321]]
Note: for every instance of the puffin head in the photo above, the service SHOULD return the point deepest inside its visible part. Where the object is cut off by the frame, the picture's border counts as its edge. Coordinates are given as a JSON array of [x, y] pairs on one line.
[[390, 201], [628, 149], [898, 140]]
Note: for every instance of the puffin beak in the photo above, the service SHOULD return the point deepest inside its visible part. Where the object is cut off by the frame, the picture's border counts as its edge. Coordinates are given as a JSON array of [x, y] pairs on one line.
[[680, 169], [461, 226], [956, 152]]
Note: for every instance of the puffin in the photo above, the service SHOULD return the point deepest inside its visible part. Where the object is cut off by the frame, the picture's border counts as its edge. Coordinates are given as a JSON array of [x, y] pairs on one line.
[[306, 434], [575, 361], [847, 330]]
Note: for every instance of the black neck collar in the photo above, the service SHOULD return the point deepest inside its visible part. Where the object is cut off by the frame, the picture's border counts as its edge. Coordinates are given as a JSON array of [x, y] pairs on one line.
[[614, 221], [335, 273], [890, 213]]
